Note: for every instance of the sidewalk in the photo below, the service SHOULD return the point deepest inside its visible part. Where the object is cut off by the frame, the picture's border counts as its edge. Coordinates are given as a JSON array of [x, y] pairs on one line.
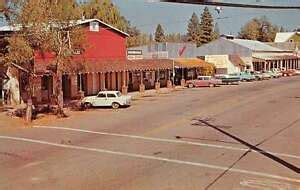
[[7, 121], [153, 92]]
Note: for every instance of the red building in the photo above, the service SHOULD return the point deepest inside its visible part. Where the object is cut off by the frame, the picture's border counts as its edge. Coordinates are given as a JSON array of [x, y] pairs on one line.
[[103, 66], [104, 44]]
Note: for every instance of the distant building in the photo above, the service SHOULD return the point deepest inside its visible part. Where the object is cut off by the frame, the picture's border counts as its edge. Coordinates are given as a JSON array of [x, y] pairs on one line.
[[226, 64], [166, 50], [184, 55], [287, 37], [289, 41], [255, 55]]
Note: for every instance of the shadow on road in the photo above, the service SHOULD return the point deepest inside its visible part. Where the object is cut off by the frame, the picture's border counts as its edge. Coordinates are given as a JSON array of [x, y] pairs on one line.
[[206, 123]]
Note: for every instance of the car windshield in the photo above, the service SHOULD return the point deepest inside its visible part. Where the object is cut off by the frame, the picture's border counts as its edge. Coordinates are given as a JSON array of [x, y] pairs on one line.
[[119, 94]]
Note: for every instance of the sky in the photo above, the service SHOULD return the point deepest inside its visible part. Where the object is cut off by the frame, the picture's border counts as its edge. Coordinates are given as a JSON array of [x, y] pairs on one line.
[[146, 14]]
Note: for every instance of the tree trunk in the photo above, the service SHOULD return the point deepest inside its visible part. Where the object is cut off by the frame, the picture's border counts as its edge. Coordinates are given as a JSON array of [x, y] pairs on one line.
[[29, 101], [59, 94]]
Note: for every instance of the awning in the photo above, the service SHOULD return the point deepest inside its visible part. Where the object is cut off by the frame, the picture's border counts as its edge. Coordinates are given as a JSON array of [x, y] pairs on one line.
[[104, 66], [274, 56], [191, 63]]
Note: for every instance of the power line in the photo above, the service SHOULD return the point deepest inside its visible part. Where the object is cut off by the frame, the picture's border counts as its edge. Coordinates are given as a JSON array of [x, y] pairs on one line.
[[239, 5]]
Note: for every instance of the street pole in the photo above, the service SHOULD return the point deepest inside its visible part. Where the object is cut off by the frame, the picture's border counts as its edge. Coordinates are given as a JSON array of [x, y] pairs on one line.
[[173, 73]]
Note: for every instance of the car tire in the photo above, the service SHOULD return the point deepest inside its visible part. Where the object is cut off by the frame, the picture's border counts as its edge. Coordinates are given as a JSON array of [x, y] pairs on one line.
[[190, 86], [87, 105], [211, 85], [115, 105]]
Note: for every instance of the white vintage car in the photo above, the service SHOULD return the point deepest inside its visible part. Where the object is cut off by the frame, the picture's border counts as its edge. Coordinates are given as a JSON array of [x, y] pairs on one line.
[[112, 99]]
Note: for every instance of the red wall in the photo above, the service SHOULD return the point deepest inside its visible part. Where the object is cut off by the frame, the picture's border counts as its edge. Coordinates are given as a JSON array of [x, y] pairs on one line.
[[105, 44]]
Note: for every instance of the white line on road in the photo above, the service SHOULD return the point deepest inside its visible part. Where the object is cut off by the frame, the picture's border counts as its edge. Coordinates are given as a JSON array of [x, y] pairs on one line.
[[166, 140], [140, 156]]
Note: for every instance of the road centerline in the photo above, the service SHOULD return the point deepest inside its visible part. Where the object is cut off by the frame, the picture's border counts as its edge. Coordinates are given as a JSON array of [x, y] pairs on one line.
[[164, 140], [146, 157]]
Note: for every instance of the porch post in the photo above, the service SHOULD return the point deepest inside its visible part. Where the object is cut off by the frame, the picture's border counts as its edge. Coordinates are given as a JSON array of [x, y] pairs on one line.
[[157, 82], [124, 85], [169, 82], [74, 87], [102, 81], [142, 86], [182, 82]]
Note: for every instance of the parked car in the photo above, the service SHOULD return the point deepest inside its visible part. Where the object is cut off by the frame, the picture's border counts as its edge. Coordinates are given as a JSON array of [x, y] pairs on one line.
[[203, 81], [112, 99], [289, 72], [297, 71], [246, 76], [266, 75], [229, 79], [272, 74], [276, 72], [258, 75]]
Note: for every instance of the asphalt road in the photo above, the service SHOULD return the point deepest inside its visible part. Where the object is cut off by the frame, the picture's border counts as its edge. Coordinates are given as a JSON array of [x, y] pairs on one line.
[[233, 137]]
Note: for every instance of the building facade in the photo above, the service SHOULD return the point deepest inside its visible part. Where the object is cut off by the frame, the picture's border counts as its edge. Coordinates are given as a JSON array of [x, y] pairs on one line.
[[256, 55]]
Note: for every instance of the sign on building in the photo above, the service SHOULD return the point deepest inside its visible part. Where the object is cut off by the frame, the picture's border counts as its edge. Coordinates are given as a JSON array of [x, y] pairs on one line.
[[134, 54]]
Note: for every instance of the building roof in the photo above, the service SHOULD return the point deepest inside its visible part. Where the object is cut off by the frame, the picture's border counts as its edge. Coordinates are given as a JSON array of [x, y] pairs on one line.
[[10, 28], [168, 50], [15, 28], [103, 66], [283, 36], [85, 21], [255, 45], [236, 60], [287, 46], [274, 56]]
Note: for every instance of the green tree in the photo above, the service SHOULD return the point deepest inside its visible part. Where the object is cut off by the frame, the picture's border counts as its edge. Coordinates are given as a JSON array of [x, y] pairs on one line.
[[106, 11], [251, 30], [194, 30], [52, 32], [175, 37], [260, 29], [136, 38], [159, 34], [206, 27], [268, 30]]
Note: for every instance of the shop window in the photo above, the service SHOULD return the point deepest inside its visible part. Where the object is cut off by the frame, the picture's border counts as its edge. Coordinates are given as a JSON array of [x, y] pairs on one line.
[[162, 75], [45, 82], [94, 26]]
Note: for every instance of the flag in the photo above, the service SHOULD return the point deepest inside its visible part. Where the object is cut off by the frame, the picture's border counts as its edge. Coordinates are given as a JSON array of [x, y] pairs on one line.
[[181, 50]]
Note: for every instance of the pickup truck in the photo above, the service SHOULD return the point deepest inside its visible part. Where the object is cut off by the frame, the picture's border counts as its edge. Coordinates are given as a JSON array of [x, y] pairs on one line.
[[229, 79]]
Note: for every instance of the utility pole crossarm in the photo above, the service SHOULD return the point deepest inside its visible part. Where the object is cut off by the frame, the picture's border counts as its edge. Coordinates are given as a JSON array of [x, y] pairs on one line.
[[223, 4]]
